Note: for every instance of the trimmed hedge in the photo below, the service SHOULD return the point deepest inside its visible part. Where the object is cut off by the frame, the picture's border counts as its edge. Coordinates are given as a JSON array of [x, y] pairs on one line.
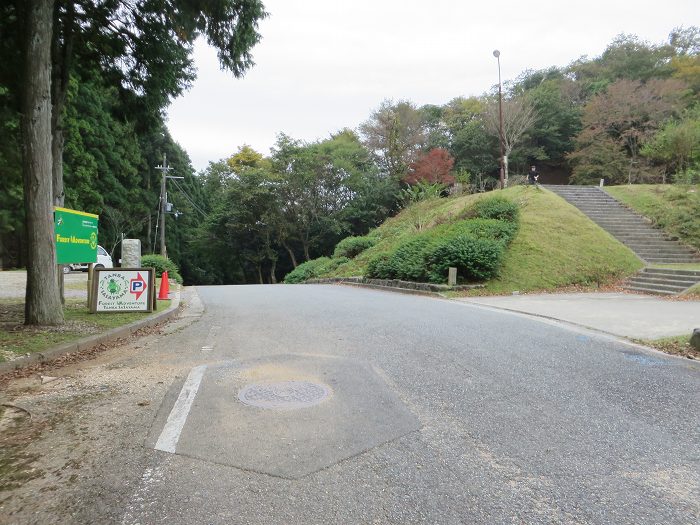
[[162, 264], [312, 269], [475, 259], [351, 247]]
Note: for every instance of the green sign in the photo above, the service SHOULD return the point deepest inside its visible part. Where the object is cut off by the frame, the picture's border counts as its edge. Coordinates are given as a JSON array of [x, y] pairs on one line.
[[76, 236]]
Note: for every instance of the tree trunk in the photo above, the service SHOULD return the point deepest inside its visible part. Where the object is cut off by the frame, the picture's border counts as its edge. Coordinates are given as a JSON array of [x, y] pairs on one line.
[[305, 245], [42, 302], [291, 254], [61, 52], [273, 267], [260, 276], [57, 176]]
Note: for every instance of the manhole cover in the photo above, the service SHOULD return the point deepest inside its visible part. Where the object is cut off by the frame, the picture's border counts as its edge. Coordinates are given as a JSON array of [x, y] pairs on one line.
[[285, 394]]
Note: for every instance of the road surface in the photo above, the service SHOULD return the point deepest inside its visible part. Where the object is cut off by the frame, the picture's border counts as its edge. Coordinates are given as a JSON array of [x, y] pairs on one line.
[[329, 404]]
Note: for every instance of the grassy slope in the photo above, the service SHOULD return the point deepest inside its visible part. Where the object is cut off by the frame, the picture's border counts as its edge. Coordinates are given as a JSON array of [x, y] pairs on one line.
[[675, 208], [556, 246]]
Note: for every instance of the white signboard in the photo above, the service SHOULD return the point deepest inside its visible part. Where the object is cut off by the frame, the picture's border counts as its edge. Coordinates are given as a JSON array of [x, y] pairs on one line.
[[123, 290]]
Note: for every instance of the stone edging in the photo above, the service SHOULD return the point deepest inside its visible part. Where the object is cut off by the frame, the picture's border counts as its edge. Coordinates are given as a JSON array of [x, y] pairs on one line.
[[88, 342], [396, 285]]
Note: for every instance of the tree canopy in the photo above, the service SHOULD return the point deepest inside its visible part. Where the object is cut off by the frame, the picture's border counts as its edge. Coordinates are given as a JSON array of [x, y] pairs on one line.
[[628, 115]]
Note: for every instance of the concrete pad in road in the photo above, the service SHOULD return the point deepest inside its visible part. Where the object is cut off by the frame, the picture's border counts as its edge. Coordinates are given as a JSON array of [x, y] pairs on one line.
[[626, 315], [286, 415]]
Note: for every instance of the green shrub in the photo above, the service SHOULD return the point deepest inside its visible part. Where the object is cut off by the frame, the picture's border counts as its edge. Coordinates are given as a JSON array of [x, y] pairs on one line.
[[408, 261], [475, 259], [475, 247], [495, 229], [379, 266], [351, 247], [495, 208], [313, 269], [162, 264]]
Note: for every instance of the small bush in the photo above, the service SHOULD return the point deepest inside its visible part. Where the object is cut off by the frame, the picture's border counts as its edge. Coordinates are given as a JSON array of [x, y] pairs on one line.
[[313, 269], [495, 229], [162, 264], [475, 259], [408, 260], [379, 266], [351, 247], [495, 208]]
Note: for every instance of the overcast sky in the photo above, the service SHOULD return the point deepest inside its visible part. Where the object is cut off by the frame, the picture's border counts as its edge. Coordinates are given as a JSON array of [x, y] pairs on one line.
[[326, 64]]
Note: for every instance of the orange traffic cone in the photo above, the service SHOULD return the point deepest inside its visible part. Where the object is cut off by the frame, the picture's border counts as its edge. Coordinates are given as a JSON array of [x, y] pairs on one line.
[[164, 287]]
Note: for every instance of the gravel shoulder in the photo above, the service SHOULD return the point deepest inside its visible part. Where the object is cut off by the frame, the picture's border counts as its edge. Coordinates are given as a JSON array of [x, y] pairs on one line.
[[60, 422]]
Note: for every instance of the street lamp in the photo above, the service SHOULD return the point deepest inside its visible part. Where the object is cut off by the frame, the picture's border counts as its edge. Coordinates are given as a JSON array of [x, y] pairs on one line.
[[497, 54]]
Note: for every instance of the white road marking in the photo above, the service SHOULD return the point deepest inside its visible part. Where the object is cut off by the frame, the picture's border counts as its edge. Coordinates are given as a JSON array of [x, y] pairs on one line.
[[178, 415], [211, 336]]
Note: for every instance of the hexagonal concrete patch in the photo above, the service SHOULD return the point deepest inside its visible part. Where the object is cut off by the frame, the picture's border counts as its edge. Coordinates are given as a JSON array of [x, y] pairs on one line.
[[299, 414]]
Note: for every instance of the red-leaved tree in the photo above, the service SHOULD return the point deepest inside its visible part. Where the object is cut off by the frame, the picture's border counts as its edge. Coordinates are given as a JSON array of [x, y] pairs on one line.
[[433, 167]]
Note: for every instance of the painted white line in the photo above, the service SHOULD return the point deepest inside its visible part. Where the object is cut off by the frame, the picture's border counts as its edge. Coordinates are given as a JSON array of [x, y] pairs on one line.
[[178, 415]]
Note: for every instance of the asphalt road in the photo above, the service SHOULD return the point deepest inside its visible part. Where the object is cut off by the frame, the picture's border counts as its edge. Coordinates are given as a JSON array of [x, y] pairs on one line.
[[406, 409]]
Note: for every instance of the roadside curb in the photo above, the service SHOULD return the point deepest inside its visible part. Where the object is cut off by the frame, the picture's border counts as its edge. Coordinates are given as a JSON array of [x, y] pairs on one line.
[[395, 285], [86, 343], [392, 289]]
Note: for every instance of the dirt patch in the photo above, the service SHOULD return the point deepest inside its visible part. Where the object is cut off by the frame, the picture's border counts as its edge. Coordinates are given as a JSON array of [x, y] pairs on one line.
[[63, 442], [17, 429], [77, 357]]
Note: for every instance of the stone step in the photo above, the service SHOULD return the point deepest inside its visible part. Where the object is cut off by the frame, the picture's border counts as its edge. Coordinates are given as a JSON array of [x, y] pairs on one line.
[[628, 221], [632, 229], [644, 289], [654, 243], [674, 271], [635, 221], [619, 217], [613, 215], [642, 279], [667, 286], [634, 236], [670, 249], [671, 260]]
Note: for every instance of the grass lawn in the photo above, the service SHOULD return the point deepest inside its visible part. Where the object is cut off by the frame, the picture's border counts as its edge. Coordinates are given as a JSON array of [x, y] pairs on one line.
[[17, 339], [559, 246], [556, 245], [673, 207]]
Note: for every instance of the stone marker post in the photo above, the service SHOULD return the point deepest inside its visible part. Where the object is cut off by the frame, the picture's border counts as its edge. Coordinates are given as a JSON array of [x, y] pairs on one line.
[[695, 339], [452, 276], [131, 253]]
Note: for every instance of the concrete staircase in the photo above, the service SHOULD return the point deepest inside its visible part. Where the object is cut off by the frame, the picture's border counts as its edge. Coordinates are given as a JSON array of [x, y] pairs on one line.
[[664, 281], [636, 232]]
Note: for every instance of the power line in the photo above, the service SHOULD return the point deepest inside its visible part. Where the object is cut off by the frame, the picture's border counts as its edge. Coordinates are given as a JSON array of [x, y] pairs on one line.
[[191, 201]]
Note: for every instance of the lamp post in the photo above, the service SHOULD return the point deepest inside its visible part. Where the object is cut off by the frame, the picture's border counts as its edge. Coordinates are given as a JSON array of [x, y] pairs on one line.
[[497, 54]]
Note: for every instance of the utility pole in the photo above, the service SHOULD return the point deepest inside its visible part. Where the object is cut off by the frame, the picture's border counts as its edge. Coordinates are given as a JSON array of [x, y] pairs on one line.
[[164, 168], [497, 54]]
